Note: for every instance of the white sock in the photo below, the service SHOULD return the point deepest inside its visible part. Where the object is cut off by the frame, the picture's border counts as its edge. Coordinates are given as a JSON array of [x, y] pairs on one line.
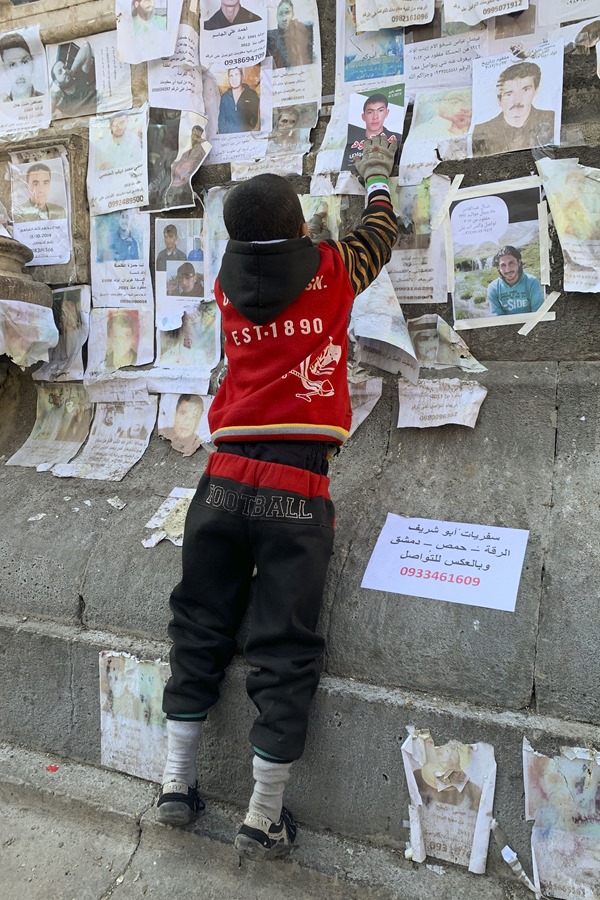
[[183, 741], [270, 780]]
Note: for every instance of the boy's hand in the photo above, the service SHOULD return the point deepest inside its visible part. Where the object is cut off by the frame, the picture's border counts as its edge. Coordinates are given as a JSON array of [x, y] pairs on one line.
[[378, 157]]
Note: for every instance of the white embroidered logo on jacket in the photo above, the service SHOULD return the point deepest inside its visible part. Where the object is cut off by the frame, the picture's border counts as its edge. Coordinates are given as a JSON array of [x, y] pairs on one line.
[[309, 372]]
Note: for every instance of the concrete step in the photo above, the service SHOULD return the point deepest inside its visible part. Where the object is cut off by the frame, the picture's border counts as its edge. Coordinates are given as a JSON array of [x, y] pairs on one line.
[[78, 832]]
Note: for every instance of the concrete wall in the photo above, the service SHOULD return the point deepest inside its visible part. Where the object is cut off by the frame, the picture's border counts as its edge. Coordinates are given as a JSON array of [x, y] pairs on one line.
[[79, 580]]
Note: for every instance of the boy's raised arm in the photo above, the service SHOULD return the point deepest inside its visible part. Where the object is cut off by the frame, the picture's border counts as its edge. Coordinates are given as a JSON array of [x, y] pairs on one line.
[[367, 249]]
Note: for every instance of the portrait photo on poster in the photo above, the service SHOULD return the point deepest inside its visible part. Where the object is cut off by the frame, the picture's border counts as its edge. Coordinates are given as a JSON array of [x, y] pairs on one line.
[[290, 39], [40, 207], [120, 250], [517, 102], [118, 165], [183, 420], [177, 244], [71, 310], [120, 338], [498, 253], [192, 150], [147, 29], [196, 343], [118, 237], [372, 114], [239, 104], [291, 129], [367, 56], [232, 34], [24, 95]]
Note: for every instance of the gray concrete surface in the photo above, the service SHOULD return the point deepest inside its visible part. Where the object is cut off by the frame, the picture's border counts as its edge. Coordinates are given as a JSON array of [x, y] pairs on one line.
[[88, 834]]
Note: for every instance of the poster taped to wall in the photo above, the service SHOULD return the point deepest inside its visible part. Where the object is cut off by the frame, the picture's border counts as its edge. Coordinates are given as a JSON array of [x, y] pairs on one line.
[[71, 308], [40, 205], [62, 423], [24, 93], [118, 166]]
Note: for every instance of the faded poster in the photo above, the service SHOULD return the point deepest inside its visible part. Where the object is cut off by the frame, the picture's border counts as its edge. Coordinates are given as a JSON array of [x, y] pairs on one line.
[[365, 60], [553, 12], [438, 346], [27, 332], [172, 85], [471, 12], [62, 423], [443, 62], [443, 401], [179, 268], [562, 799], [573, 193], [323, 217], [242, 108], [365, 392], [451, 790], [120, 253], [371, 15], [232, 34], [119, 436], [294, 46], [517, 101], [71, 308], [120, 338], [40, 205], [291, 130], [177, 147], [87, 77], [196, 345], [282, 164], [147, 29], [24, 94], [132, 723], [183, 420], [118, 166], [168, 521], [439, 129]]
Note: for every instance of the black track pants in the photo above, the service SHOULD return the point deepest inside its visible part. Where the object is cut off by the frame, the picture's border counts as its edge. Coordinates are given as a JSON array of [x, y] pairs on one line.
[[248, 512]]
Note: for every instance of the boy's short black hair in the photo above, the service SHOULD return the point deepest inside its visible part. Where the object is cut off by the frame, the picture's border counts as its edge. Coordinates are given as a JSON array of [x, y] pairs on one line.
[[264, 208]]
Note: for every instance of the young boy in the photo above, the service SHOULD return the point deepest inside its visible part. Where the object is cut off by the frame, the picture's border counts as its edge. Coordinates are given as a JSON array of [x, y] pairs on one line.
[[280, 413]]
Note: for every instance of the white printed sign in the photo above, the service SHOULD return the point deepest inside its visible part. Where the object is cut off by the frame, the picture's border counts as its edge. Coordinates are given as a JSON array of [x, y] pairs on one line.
[[476, 565]]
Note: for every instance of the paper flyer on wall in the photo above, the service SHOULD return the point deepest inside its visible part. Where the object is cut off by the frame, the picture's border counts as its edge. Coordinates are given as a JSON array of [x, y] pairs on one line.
[[183, 420], [195, 347], [71, 308], [177, 147], [119, 437], [573, 193], [120, 338], [215, 235], [562, 799], [133, 732], [451, 789], [505, 30], [439, 129], [498, 252], [40, 205], [27, 332], [147, 30], [471, 12], [438, 346], [87, 77], [24, 91], [365, 391], [443, 62], [294, 46], [445, 401], [120, 247], [371, 15], [242, 108], [517, 99], [371, 114], [118, 166], [275, 165], [365, 60], [378, 323], [169, 519], [291, 130], [553, 12], [171, 85], [232, 35], [178, 267], [62, 423], [478, 565], [323, 215]]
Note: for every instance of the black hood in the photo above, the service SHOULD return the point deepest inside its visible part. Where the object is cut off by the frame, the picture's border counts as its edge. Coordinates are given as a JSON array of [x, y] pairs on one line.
[[261, 280]]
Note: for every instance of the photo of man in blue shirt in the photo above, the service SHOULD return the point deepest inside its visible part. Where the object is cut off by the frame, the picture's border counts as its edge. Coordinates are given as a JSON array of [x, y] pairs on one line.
[[514, 291]]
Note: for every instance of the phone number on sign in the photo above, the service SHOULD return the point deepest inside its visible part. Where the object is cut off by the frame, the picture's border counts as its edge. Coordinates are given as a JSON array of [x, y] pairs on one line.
[[440, 576]]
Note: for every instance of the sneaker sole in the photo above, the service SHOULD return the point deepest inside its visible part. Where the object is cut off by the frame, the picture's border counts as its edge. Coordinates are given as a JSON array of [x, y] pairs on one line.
[[250, 848], [174, 813]]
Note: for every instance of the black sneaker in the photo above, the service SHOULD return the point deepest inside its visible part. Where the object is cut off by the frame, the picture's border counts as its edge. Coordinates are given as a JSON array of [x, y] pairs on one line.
[[178, 803], [260, 838]]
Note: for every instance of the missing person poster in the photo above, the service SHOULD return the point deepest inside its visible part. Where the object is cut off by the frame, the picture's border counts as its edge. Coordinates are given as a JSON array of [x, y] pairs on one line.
[[118, 164], [120, 338], [120, 246], [365, 60], [232, 34], [40, 205], [183, 420], [179, 268], [71, 308], [24, 95], [373, 114], [177, 147], [243, 111], [147, 29]]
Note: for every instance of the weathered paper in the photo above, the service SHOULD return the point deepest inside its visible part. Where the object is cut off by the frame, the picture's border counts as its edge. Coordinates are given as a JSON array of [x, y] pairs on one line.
[[132, 723], [87, 77], [506, 29], [119, 437], [294, 46], [517, 99], [477, 565], [169, 519], [373, 113], [177, 147], [282, 164], [27, 332], [216, 237], [451, 790], [378, 321], [291, 129], [179, 268], [438, 346], [552, 12], [473, 11], [120, 248], [183, 420], [195, 346], [365, 391], [120, 338], [147, 31], [62, 423], [443, 62], [173, 85], [240, 41], [322, 215], [71, 307], [440, 122], [371, 15], [40, 205], [573, 192], [242, 127], [24, 93], [118, 166], [445, 401], [488, 285], [368, 59], [561, 799]]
